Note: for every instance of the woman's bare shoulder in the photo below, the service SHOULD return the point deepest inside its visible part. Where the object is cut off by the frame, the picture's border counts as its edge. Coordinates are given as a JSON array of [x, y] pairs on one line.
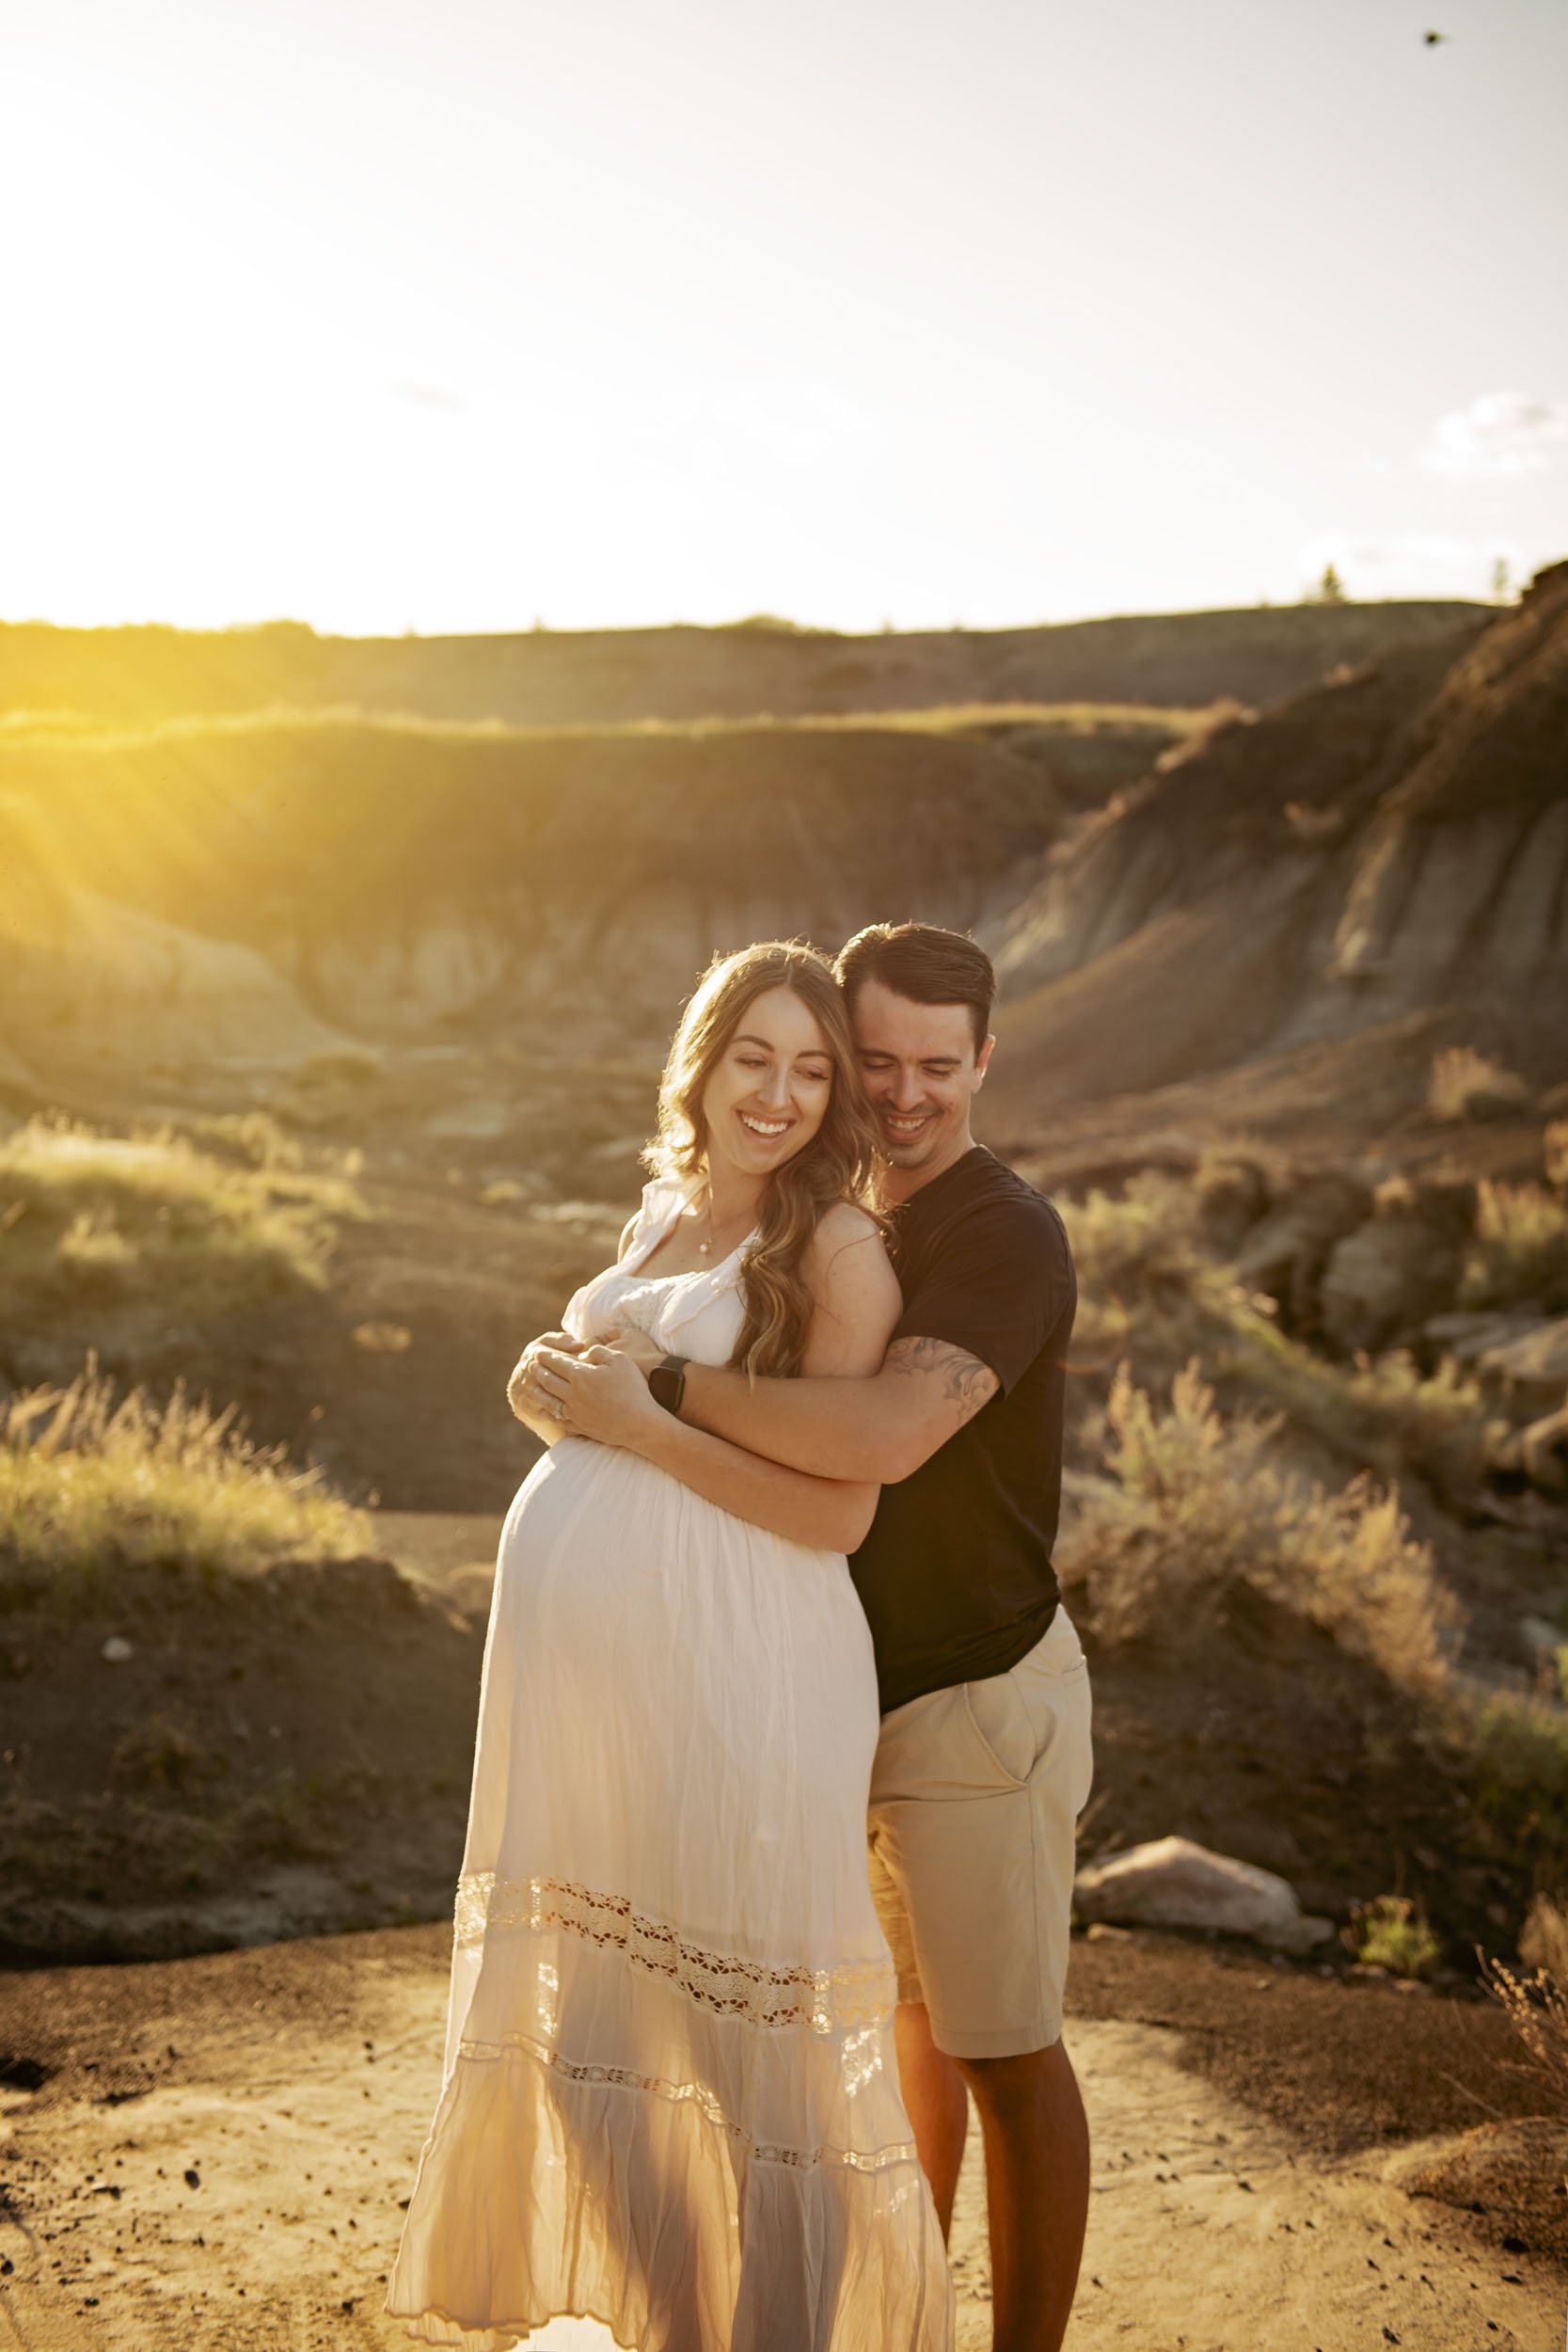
[[843, 1225]]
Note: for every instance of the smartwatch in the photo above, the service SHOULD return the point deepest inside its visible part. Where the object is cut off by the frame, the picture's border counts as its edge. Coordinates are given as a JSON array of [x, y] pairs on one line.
[[668, 1383]]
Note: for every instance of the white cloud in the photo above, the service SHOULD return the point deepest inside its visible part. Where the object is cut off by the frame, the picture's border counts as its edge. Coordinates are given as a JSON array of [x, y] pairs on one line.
[[1408, 563], [1499, 435]]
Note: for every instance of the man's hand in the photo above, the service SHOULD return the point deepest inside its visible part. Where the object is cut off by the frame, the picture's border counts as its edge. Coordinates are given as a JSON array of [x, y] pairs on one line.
[[639, 1348], [598, 1392], [527, 1400]]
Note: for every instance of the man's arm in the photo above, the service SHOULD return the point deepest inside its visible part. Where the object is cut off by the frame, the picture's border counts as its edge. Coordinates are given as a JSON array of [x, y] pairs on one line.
[[977, 1319], [880, 1428]]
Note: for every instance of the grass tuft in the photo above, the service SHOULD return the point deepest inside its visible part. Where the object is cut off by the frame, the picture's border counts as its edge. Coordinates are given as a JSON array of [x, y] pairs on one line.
[[1520, 1248], [1467, 1084], [93, 1486], [151, 1216]]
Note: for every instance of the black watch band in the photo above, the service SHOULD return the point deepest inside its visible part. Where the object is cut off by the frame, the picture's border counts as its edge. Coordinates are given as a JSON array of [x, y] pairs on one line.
[[668, 1383]]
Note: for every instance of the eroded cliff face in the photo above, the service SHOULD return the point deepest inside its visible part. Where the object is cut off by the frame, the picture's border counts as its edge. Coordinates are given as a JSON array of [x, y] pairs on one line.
[[1461, 878], [565, 888], [1393, 843]]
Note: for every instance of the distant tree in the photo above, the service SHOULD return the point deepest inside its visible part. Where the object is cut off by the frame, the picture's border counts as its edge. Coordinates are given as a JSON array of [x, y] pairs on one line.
[[1330, 588], [1502, 582]]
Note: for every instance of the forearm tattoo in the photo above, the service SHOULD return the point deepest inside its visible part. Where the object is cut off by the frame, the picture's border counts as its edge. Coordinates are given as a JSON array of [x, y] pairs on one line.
[[966, 1381]]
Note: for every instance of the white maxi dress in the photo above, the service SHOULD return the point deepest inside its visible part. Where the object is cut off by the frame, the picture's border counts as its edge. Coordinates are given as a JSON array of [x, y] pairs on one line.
[[670, 2102]]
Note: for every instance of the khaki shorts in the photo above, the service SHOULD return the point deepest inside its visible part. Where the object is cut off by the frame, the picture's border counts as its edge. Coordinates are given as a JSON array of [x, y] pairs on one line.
[[975, 1794]]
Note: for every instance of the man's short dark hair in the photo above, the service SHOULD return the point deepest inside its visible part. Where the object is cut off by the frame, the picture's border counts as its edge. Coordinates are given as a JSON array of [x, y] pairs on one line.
[[928, 965]]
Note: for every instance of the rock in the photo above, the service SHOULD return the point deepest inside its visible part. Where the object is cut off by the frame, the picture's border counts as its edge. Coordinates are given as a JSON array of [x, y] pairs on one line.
[[1466, 1335], [479, 1122], [1394, 1272], [1285, 1253], [1173, 1883], [117, 1649], [1541, 1638], [1537, 1359], [1543, 1452]]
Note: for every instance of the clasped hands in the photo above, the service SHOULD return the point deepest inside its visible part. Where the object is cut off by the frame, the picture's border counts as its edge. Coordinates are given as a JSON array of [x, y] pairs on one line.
[[560, 1388]]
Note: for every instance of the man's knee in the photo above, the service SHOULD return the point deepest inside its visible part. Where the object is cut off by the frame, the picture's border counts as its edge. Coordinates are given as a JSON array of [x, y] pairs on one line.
[[1020, 2078]]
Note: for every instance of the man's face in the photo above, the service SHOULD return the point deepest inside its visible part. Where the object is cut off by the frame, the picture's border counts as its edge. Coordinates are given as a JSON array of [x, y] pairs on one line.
[[922, 1074]]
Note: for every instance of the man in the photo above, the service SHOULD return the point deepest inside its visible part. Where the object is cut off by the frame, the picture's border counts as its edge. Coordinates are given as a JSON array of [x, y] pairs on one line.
[[983, 1760]]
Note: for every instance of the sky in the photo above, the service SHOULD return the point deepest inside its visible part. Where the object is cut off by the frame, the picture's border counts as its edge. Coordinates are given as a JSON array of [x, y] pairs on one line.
[[602, 313]]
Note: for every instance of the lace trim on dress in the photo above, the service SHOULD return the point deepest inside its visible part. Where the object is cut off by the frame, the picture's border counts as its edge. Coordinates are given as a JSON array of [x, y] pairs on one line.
[[697, 2094], [826, 1999]]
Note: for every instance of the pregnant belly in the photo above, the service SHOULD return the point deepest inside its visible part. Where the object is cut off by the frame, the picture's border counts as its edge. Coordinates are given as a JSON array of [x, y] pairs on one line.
[[614, 1578]]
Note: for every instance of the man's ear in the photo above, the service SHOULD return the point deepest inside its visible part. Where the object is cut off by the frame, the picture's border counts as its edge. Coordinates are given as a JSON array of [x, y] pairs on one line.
[[982, 1060]]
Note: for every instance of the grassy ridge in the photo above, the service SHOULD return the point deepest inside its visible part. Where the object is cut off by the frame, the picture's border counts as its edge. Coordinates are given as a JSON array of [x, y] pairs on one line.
[[325, 823], [550, 677]]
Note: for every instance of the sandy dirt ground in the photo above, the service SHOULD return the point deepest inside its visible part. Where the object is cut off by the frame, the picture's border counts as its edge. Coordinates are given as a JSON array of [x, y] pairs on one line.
[[216, 2156]]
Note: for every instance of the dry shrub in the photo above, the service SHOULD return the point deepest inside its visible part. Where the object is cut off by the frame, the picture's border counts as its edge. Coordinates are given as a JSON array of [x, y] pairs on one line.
[[1466, 1085], [1520, 1247], [1537, 2007], [1435, 1422], [1198, 1507], [92, 1486], [1544, 1939], [1151, 1292], [1142, 1239]]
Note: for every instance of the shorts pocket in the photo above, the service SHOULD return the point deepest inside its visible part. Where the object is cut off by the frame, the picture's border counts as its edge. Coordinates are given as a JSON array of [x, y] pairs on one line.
[[1006, 1726]]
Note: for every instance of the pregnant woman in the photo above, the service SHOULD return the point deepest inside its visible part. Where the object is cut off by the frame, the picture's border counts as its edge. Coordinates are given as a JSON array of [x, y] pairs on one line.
[[670, 2102]]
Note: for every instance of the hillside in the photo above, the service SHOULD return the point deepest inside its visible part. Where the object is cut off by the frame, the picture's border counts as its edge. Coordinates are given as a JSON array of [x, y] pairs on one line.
[[1387, 852], [558, 678]]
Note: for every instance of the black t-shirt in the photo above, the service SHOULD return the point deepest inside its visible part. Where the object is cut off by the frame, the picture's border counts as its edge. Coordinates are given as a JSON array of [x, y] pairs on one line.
[[955, 1575]]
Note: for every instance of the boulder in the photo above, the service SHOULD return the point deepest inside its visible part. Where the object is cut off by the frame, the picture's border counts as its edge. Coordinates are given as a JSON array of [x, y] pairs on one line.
[[1284, 1253], [1173, 1883], [1536, 1358], [1543, 1452], [1393, 1273]]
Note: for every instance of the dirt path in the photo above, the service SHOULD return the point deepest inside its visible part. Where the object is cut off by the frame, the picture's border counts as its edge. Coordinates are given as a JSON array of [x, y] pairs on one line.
[[215, 2157]]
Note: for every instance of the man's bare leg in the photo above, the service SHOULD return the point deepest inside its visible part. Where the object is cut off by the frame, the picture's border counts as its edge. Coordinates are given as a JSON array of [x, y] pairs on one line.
[[938, 2103], [1036, 2140]]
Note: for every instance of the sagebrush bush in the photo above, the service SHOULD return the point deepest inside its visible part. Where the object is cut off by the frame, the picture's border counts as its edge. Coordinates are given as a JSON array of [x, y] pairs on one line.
[[1467, 1084], [1149, 1291], [93, 1485], [1155, 1296], [151, 1216], [1519, 1249], [1197, 1506]]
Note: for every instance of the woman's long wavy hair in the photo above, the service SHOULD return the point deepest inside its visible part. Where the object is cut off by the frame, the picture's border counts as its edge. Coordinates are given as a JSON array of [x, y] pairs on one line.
[[839, 1162]]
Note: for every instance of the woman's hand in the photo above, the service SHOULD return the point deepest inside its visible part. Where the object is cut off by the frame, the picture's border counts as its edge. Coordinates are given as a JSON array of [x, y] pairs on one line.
[[595, 1393], [529, 1402]]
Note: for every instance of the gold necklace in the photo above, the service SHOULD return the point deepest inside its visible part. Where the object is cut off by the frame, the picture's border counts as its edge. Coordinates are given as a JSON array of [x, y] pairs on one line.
[[704, 1247]]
